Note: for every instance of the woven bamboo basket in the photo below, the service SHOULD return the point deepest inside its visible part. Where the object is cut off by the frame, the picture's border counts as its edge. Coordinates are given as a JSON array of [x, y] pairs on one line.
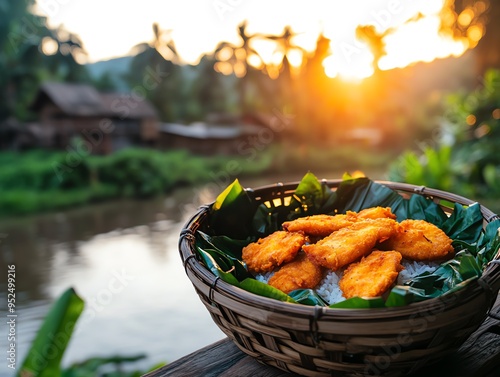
[[320, 341]]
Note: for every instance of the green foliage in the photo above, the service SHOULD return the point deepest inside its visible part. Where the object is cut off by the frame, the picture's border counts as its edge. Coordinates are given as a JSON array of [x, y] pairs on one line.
[[23, 65], [40, 180], [161, 81], [105, 83], [432, 167], [104, 367], [470, 166], [22, 202], [299, 158], [43, 180], [208, 93], [46, 352]]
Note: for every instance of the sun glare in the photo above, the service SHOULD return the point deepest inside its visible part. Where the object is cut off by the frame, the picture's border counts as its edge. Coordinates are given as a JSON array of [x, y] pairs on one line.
[[355, 72], [409, 29], [419, 41]]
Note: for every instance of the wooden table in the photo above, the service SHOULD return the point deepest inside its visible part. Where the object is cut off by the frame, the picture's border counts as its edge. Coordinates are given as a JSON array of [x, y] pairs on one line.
[[478, 357]]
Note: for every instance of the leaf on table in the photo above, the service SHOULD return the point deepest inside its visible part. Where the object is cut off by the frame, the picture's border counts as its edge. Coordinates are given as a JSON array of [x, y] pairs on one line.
[[46, 352]]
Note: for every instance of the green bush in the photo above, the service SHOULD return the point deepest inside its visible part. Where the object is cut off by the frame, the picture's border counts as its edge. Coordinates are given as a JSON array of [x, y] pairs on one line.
[[344, 158], [38, 181], [29, 201], [470, 165], [432, 168], [135, 173]]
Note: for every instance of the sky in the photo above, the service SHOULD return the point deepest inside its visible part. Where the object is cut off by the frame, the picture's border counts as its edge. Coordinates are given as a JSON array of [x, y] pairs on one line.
[[110, 28]]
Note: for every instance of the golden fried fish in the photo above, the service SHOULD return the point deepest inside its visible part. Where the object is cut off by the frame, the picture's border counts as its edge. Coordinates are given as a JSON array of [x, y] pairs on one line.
[[300, 273], [372, 276], [421, 241], [324, 225], [319, 225], [272, 251], [375, 213], [351, 243]]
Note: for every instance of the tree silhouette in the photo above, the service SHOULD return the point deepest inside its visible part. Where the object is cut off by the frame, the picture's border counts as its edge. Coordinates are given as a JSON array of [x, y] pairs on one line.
[[208, 90], [284, 48], [282, 69], [162, 42], [155, 73], [375, 41], [476, 24], [316, 94], [235, 59], [26, 59]]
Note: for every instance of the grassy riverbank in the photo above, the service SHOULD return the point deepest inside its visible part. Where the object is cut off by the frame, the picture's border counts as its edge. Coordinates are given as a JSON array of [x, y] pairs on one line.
[[40, 180]]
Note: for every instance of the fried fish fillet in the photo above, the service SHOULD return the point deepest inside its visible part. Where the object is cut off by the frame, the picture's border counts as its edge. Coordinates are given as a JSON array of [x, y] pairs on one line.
[[272, 251], [324, 225], [351, 243], [319, 225], [372, 276], [421, 241], [301, 273], [375, 213]]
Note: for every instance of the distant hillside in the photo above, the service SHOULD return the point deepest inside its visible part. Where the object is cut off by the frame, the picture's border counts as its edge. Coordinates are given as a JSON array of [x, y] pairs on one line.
[[115, 68], [118, 67]]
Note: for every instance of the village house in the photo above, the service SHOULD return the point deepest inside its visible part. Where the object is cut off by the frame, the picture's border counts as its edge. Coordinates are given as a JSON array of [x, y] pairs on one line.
[[226, 134], [106, 121]]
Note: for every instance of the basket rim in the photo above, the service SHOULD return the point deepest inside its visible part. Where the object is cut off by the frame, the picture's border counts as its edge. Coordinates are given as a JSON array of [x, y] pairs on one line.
[[194, 266]]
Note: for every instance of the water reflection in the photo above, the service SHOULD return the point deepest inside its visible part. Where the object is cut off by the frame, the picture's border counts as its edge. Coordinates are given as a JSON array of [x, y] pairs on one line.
[[122, 259]]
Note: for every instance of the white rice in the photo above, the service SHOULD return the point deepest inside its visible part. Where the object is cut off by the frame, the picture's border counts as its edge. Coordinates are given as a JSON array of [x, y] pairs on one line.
[[414, 268], [329, 289], [264, 278]]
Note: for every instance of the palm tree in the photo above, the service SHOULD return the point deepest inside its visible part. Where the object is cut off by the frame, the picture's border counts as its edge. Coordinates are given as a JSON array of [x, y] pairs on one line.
[[162, 42], [282, 69], [243, 61], [284, 48], [165, 90], [236, 58], [375, 41]]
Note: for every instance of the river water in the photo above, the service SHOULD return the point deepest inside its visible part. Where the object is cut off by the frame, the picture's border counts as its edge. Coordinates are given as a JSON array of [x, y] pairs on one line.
[[122, 259]]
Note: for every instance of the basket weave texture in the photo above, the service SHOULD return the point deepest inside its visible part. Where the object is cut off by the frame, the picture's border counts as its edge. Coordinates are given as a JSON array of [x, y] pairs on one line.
[[320, 341]]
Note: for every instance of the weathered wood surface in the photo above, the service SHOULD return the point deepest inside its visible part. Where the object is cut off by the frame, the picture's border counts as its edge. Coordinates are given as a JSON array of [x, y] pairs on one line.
[[478, 357]]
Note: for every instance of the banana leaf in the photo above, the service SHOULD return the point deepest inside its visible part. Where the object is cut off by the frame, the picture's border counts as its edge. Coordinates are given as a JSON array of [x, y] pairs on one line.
[[307, 297], [96, 366], [235, 221], [44, 357], [249, 284], [231, 214], [310, 198], [360, 303], [226, 253]]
